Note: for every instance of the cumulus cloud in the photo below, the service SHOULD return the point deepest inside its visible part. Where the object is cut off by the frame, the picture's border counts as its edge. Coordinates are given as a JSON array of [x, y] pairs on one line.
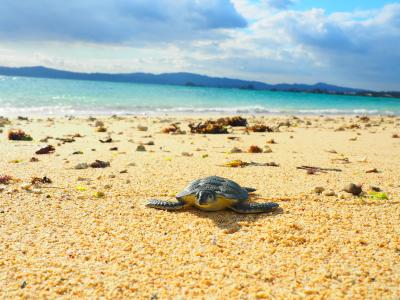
[[116, 21], [365, 45], [360, 48]]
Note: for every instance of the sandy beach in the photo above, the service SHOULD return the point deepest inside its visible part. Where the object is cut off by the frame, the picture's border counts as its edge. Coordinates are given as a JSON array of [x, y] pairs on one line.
[[87, 233]]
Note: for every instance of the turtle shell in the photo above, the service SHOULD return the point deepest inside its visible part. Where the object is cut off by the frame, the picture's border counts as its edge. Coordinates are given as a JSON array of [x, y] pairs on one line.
[[221, 186]]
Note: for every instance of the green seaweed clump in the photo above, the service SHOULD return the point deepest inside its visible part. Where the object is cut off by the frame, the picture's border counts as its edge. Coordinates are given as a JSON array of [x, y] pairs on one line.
[[378, 195]]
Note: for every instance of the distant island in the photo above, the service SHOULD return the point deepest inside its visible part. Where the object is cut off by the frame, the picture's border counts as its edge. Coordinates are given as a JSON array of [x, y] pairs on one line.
[[190, 79]]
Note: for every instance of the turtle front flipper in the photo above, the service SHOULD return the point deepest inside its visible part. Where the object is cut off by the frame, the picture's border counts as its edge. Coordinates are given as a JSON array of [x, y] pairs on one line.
[[166, 205], [251, 208]]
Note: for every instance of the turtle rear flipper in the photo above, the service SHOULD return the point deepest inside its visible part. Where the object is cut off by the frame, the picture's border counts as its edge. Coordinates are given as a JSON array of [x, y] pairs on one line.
[[251, 208], [166, 205], [250, 189]]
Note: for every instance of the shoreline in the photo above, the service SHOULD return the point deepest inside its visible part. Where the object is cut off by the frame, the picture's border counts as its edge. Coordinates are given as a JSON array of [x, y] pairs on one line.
[[206, 115]]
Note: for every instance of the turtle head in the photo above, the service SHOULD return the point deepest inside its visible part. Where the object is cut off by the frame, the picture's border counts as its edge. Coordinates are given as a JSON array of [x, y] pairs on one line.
[[205, 197]]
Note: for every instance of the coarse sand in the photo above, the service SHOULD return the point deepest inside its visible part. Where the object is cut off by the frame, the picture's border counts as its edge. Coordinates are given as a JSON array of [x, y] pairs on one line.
[[88, 233]]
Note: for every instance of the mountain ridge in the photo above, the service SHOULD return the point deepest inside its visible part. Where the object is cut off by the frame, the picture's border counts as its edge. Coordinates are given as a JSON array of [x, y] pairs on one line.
[[177, 78]]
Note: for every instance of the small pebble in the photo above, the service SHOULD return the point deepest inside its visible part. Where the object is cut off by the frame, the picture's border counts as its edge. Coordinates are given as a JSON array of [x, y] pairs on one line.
[[142, 128], [99, 124], [26, 186], [140, 148], [329, 193], [343, 195], [319, 189], [99, 194], [254, 149], [99, 164], [267, 149], [354, 189], [235, 150], [311, 171], [101, 129], [232, 229], [37, 191], [81, 166], [375, 188]]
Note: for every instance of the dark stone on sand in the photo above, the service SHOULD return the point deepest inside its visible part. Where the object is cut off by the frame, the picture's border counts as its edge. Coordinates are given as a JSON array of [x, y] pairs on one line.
[[354, 189]]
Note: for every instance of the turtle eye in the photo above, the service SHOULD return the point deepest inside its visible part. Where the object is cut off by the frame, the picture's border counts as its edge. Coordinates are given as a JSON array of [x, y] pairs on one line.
[[205, 197]]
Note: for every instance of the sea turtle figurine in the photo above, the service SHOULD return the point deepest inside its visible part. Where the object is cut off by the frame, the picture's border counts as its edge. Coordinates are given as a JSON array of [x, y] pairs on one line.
[[215, 193]]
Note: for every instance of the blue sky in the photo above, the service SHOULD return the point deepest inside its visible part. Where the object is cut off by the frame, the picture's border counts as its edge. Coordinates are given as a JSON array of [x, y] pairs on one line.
[[352, 43], [331, 6]]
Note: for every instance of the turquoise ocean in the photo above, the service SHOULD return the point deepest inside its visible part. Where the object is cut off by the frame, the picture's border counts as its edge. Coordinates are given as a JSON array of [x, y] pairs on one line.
[[36, 96]]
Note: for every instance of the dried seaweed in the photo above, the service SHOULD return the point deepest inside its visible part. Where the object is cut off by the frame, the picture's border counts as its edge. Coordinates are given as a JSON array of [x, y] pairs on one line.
[[208, 127], [66, 140], [42, 180], [236, 121], [260, 128], [18, 135], [5, 179], [173, 129]]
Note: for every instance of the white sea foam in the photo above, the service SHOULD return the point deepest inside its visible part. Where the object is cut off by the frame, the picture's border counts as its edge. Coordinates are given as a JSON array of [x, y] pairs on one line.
[[60, 110]]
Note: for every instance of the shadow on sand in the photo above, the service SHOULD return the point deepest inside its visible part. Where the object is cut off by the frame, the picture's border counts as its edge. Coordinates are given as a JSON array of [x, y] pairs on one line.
[[229, 220]]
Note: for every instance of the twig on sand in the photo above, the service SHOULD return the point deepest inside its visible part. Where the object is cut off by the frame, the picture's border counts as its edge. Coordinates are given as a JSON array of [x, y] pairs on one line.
[[312, 170], [53, 187]]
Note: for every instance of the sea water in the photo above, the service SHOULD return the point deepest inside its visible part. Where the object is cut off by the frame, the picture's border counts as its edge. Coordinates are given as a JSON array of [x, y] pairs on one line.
[[37, 96]]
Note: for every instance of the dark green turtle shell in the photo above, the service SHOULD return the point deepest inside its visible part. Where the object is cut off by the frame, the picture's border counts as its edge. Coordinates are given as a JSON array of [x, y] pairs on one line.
[[221, 186]]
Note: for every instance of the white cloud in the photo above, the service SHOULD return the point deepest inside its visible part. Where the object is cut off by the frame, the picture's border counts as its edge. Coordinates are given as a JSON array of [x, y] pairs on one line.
[[279, 4], [358, 48], [133, 22]]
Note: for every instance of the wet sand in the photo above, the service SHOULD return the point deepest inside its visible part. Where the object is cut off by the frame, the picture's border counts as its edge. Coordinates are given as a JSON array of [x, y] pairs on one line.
[[89, 234]]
